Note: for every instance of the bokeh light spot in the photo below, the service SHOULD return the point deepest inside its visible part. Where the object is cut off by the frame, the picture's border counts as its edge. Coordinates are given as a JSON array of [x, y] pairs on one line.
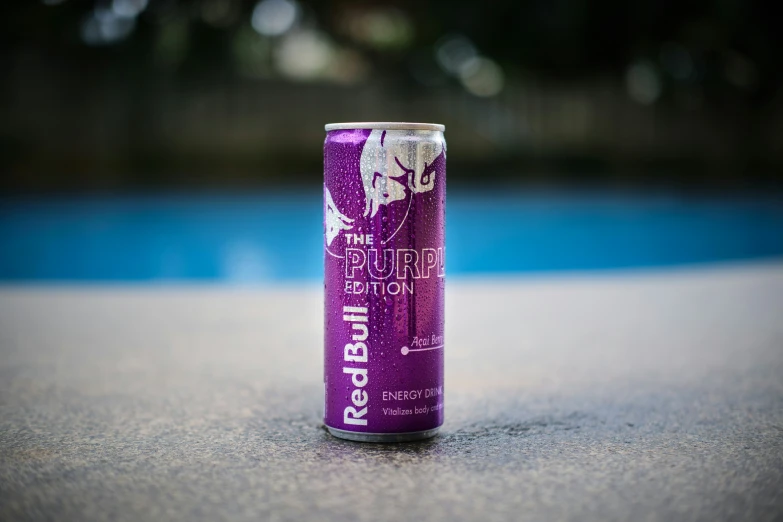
[[453, 52], [274, 17], [643, 82], [481, 76], [382, 28], [304, 55], [128, 8], [103, 27]]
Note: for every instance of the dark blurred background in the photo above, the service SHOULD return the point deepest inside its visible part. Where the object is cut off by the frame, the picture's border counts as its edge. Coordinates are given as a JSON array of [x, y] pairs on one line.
[[139, 94], [156, 139]]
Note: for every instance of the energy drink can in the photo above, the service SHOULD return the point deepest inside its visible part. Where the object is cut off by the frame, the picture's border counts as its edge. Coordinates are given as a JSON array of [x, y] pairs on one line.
[[384, 279]]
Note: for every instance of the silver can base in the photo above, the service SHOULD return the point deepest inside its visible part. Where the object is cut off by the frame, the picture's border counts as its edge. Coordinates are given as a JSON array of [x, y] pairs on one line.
[[383, 437]]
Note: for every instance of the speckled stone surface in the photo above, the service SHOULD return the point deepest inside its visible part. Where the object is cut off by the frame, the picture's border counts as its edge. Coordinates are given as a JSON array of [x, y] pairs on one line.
[[636, 396]]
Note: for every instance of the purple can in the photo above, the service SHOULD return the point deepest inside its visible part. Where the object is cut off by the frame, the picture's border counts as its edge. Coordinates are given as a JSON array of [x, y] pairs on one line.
[[384, 280]]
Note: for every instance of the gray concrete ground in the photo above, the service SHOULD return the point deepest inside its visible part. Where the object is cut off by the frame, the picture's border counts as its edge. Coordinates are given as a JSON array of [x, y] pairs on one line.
[[638, 396]]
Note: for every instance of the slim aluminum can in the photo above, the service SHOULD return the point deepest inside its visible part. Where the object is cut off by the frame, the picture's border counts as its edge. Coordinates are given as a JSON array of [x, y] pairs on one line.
[[384, 279]]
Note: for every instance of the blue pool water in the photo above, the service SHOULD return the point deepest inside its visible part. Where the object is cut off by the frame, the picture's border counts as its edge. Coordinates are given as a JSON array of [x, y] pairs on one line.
[[278, 237]]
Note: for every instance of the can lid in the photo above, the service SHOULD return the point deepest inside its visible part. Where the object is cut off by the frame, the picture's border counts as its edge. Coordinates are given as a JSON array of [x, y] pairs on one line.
[[385, 125]]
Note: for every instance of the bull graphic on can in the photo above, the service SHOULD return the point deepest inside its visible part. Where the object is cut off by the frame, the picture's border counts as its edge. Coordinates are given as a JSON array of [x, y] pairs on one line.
[[388, 174], [384, 280]]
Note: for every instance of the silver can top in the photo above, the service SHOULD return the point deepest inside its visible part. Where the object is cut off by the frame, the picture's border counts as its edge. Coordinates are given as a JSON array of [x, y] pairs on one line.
[[385, 125]]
